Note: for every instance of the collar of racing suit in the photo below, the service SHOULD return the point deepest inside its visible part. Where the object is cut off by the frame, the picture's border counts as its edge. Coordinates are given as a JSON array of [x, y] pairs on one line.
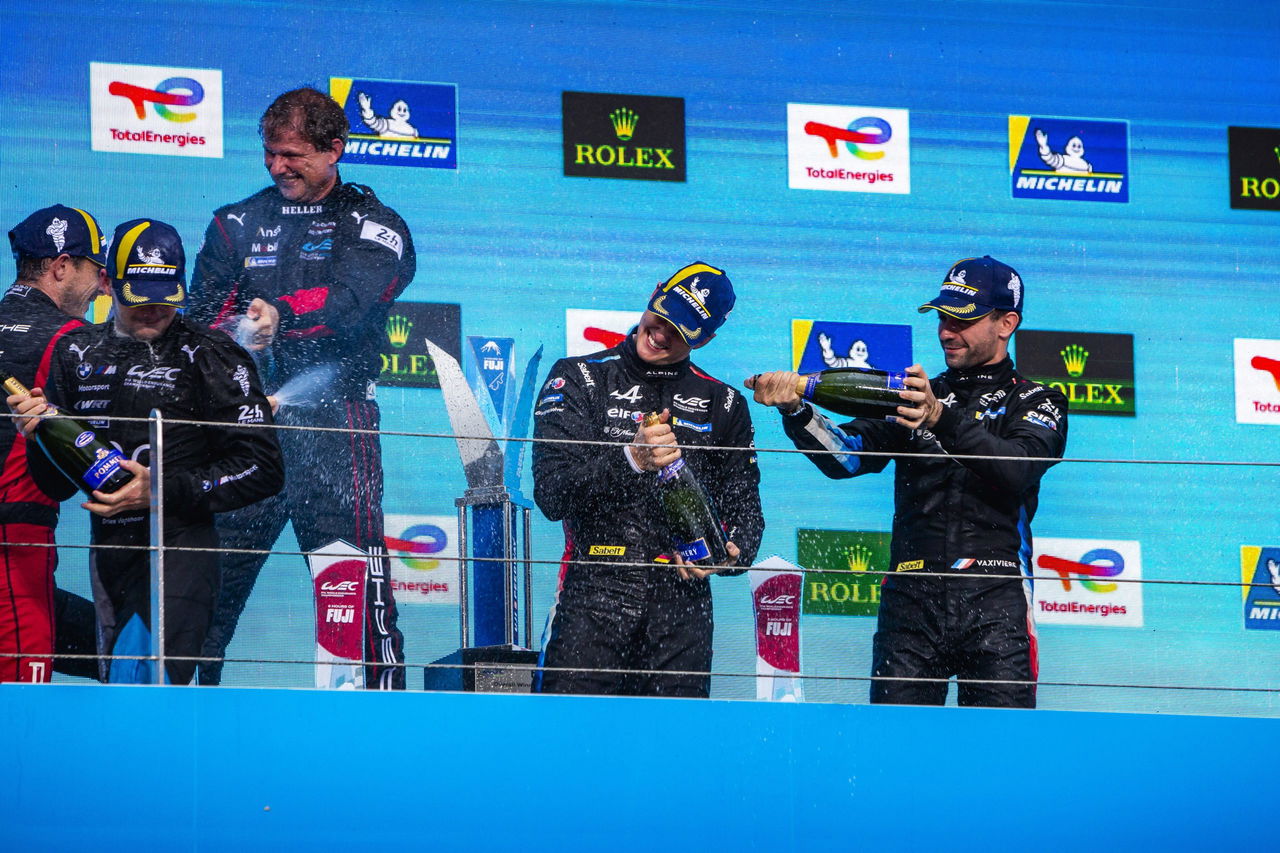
[[640, 368], [965, 380]]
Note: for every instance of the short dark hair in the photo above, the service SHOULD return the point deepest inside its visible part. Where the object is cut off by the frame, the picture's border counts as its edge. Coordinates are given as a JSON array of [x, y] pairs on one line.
[[997, 314], [315, 117], [30, 268]]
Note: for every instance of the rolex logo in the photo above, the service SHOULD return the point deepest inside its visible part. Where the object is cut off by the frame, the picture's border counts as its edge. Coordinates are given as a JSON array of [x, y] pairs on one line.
[[624, 122], [398, 327], [1074, 357], [859, 558]]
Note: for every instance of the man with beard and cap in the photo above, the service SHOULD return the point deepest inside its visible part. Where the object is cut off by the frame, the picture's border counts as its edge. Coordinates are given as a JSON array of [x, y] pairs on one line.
[[958, 601], [148, 356], [631, 616], [59, 254], [305, 273]]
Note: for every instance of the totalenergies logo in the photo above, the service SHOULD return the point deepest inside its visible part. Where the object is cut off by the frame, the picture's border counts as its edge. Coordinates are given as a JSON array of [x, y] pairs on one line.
[[1267, 365], [868, 130], [172, 92], [1098, 563], [416, 542]]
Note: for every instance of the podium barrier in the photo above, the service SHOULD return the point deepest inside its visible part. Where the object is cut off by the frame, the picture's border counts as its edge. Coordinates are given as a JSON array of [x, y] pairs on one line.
[[169, 768]]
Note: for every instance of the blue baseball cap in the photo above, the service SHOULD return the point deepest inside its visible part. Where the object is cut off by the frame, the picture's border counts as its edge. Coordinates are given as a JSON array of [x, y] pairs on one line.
[[974, 287], [146, 264], [58, 230], [696, 300]]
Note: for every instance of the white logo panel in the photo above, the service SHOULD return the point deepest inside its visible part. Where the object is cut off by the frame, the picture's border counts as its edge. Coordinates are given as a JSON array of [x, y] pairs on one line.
[[152, 109], [1257, 381], [848, 149], [1088, 582]]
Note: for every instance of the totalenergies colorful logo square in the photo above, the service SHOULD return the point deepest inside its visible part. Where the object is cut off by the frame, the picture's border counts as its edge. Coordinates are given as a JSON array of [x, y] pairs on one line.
[[848, 149], [153, 109], [424, 558], [1257, 363], [1260, 579], [1087, 582], [1070, 159], [398, 123]]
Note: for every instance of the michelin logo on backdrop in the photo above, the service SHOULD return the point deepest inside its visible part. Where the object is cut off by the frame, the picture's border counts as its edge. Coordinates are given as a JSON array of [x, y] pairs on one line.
[[398, 123], [1260, 576], [1069, 159], [822, 344]]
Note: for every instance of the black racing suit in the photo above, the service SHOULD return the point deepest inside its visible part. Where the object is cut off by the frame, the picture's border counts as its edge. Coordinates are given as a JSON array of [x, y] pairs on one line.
[[955, 516], [30, 325], [189, 373], [634, 617], [332, 269]]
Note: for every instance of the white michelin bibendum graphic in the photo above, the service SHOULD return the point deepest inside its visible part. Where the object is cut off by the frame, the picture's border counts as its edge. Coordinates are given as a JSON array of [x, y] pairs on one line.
[[57, 230], [858, 353], [152, 258], [395, 125], [1070, 161]]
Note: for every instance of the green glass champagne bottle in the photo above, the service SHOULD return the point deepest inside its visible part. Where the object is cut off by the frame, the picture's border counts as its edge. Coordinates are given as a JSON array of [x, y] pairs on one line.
[[75, 449], [854, 392], [694, 525]]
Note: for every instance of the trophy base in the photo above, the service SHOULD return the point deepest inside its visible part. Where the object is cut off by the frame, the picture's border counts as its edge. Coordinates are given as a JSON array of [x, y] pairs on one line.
[[483, 669]]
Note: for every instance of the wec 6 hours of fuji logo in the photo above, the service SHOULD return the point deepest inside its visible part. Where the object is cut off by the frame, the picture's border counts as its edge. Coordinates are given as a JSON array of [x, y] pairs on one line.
[[151, 109]]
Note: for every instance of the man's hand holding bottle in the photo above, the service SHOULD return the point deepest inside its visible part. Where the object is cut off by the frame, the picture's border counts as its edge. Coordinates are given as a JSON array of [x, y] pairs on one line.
[[777, 389], [653, 458], [28, 407]]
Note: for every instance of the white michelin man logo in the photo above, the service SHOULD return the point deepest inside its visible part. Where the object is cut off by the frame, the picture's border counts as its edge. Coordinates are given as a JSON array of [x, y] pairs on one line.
[[393, 126], [1015, 285], [1070, 162], [152, 257], [858, 353], [57, 230], [957, 277]]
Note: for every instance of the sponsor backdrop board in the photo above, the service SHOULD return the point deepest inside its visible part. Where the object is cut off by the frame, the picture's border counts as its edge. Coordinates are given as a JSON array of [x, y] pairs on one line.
[[1160, 255], [1093, 371]]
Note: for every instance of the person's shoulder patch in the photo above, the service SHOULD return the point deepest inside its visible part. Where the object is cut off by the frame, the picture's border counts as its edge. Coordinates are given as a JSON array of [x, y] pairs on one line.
[[383, 235]]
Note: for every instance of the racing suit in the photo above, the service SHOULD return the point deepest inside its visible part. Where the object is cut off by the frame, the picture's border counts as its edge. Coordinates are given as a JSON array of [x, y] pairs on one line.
[[30, 325], [632, 616], [190, 373], [970, 517], [332, 269]]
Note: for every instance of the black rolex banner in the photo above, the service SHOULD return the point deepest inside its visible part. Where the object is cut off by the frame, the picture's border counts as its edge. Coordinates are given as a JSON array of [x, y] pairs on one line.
[[405, 361], [1254, 154], [1094, 370], [623, 136]]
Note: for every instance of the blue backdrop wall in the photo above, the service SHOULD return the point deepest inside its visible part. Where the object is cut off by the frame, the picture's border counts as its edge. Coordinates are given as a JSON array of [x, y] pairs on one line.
[[515, 242]]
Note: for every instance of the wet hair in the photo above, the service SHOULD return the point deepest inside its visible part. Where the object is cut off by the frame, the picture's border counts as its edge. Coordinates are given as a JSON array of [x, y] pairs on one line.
[[31, 268], [315, 116]]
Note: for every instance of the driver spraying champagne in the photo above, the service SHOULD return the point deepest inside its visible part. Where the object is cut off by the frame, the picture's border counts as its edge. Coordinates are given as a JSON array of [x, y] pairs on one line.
[[306, 271]]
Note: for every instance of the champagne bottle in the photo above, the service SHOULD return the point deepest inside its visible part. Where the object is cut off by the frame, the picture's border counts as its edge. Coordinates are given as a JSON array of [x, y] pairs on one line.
[[694, 525], [74, 449], [853, 391]]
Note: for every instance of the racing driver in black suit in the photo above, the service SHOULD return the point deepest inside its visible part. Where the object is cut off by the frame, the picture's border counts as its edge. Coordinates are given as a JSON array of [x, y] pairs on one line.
[[305, 273], [958, 601], [648, 618], [149, 356]]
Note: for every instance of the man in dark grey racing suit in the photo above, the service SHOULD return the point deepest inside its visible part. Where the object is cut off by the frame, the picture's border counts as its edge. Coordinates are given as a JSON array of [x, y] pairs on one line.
[[306, 271]]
